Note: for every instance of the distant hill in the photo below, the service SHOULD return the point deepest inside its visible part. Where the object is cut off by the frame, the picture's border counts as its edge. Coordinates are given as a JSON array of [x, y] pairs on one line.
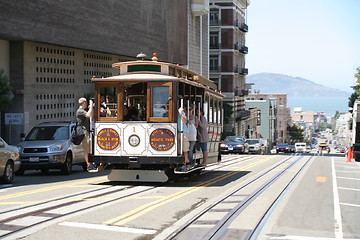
[[293, 86]]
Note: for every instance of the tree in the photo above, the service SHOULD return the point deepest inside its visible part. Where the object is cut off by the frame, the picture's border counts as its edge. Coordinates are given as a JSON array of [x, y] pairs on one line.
[[227, 112], [5, 91], [296, 133], [356, 94]]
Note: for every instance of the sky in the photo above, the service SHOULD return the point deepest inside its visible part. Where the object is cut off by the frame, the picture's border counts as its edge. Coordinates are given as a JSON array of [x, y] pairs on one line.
[[318, 40]]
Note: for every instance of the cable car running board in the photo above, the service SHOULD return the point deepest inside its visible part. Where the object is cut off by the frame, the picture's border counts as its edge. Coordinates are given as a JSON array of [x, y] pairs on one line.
[[196, 168], [135, 175]]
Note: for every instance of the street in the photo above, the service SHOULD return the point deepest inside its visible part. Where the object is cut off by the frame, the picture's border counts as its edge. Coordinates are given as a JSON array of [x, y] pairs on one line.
[[276, 196]]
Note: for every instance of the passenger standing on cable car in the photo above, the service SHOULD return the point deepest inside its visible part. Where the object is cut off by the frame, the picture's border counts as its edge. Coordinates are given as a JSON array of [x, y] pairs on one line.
[[193, 124], [183, 128], [83, 119], [203, 136]]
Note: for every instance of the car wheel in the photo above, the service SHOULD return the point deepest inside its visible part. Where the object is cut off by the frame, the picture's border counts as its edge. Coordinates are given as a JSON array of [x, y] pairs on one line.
[[67, 167], [8, 176]]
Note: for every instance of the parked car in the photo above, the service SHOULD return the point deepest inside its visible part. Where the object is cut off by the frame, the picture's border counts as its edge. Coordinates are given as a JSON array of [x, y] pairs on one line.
[[9, 161], [48, 146], [233, 144], [292, 148], [256, 146], [282, 147], [342, 150], [308, 149]]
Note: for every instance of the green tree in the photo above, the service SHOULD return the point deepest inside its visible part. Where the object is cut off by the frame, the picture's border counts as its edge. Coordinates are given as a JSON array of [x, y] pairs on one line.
[[356, 94], [227, 112], [296, 133], [5, 91]]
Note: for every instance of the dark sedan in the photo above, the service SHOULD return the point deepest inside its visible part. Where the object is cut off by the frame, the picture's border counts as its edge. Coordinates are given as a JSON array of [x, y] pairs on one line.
[[233, 144], [283, 147], [292, 148]]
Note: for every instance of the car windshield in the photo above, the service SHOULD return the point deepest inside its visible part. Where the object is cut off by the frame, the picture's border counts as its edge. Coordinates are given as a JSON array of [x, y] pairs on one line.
[[282, 145], [48, 133], [233, 139], [252, 141]]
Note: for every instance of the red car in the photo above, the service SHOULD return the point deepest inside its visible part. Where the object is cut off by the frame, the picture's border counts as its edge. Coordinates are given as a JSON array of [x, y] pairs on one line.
[[283, 147]]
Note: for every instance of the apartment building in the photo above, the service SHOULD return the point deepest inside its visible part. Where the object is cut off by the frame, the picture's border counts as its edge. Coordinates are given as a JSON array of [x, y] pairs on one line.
[[228, 28]]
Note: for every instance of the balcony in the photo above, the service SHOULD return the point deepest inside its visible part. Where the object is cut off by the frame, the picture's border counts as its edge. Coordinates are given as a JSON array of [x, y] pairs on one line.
[[241, 92], [244, 49], [244, 27], [244, 71], [242, 115], [200, 7]]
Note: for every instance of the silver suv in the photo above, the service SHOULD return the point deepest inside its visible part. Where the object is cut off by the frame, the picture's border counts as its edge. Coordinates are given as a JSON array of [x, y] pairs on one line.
[[48, 146]]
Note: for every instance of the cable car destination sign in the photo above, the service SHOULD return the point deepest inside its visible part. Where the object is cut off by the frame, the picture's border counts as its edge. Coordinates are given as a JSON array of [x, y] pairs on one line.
[[108, 139], [162, 139]]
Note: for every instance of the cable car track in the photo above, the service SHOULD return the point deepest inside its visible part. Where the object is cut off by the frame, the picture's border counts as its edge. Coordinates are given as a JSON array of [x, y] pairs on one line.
[[111, 195], [41, 208], [218, 229]]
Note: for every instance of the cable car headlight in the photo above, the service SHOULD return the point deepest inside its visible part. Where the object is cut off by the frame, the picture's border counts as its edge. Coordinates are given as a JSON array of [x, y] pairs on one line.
[[134, 140]]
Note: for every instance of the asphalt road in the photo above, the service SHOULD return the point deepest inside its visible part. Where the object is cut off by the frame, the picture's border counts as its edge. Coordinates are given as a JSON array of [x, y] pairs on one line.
[[278, 196]]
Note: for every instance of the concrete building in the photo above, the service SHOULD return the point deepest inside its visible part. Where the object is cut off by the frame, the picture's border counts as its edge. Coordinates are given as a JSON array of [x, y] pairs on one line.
[[282, 114], [228, 49], [305, 120], [50, 50], [267, 118]]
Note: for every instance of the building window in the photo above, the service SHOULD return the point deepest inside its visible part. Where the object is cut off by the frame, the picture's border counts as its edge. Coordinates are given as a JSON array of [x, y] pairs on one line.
[[214, 40], [214, 63], [214, 17]]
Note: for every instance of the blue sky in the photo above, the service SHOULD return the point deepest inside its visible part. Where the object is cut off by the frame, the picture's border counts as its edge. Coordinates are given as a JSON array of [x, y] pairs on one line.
[[318, 40]]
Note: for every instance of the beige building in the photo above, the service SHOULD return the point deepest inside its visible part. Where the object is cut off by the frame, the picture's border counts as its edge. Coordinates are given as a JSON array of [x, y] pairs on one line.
[[305, 120], [50, 63], [299, 116]]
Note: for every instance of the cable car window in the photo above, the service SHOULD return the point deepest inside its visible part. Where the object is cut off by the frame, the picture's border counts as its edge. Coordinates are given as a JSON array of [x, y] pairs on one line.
[[160, 106], [108, 102], [219, 112], [139, 68], [134, 95], [211, 108]]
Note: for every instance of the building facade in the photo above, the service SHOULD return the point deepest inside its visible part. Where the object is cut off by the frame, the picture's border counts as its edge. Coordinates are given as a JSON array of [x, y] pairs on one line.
[[228, 28], [282, 114], [50, 50], [306, 120], [267, 118]]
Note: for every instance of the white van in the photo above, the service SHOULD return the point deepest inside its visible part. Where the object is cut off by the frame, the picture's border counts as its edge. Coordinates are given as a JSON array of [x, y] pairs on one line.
[[300, 147]]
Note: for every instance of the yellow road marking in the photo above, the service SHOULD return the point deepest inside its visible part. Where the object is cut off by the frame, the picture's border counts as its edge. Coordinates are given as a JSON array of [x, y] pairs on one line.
[[321, 179], [148, 197], [57, 201], [20, 194], [137, 212]]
